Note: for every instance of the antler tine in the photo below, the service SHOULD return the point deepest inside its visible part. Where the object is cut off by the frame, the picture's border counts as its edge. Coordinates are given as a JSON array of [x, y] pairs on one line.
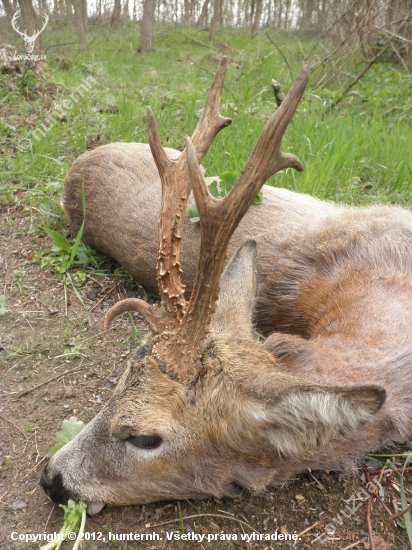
[[219, 218], [268, 145], [175, 191], [211, 121], [132, 304]]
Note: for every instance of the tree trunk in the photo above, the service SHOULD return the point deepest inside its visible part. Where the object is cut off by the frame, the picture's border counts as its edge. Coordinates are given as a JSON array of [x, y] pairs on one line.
[[269, 14], [203, 14], [31, 24], [308, 13], [187, 13], [125, 13], [80, 24], [69, 8], [252, 11], [217, 6], [117, 10], [8, 8], [83, 4], [258, 15], [146, 27]]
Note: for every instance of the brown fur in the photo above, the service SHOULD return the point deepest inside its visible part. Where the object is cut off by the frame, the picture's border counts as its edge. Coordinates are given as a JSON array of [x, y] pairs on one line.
[[332, 382]]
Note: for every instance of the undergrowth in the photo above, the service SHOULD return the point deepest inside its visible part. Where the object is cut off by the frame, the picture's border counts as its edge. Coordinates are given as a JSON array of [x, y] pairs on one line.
[[358, 152]]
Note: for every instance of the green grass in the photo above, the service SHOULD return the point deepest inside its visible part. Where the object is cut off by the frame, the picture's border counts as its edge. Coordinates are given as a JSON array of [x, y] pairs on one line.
[[354, 153]]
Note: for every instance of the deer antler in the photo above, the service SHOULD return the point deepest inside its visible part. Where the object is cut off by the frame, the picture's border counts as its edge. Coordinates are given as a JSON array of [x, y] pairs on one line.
[[182, 327], [219, 218], [175, 191]]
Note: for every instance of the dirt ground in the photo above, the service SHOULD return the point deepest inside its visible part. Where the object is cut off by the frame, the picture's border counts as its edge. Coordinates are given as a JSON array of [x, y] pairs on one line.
[[56, 361]]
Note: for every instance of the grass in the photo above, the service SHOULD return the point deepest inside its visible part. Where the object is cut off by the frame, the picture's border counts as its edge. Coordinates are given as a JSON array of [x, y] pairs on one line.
[[393, 462], [354, 153]]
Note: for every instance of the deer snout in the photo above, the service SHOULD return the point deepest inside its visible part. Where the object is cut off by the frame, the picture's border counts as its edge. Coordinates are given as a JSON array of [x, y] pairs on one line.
[[54, 488]]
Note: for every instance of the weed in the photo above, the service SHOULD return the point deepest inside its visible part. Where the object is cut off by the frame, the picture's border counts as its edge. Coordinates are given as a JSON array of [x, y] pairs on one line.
[[68, 431], [219, 189], [3, 308], [6, 462]]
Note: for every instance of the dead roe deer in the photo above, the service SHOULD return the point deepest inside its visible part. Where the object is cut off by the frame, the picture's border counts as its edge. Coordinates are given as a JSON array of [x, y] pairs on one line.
[[205, 407]]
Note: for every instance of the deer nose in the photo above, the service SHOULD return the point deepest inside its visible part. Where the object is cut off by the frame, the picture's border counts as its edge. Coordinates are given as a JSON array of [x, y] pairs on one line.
[[54, 487], [44, 482]]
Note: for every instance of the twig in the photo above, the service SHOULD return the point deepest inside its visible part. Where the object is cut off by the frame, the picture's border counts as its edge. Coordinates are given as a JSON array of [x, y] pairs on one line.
[[308, 529], [373, 493], [401, 114], [388, 111], [65, 298], [369, 522], [316, 480], [101, 299], [28, 322], [70, 354], [354, 544], [48, 381], [398, 55], [177, 520], [35, 467], [390, 470], [360, 75], [282, 54], [279, 95], [13, 424], [35, 443], [402, 512], [48, 519], [207, 46], [401, 38], [95, 335], [57, 45]]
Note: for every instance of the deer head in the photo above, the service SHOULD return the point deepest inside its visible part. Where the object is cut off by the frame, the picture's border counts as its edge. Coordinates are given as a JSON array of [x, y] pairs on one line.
[[203, 408], [29, 40]]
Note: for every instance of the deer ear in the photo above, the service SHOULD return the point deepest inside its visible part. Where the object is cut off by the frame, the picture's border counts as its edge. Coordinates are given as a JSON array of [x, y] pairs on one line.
[[238, 287], [305, 418]]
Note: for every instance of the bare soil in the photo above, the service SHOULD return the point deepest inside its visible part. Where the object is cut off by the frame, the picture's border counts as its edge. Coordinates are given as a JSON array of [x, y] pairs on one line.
[[40, 386]]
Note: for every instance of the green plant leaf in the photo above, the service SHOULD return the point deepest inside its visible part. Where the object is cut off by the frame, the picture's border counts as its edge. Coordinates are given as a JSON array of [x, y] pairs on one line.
[[219, 189], [214, 190], [258, 198], [194, 214], [227, 181], [59, 241], [69, 429]]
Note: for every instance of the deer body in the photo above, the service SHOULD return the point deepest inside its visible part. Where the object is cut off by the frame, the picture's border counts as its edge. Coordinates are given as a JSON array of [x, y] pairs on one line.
[[204, 407], [123, 197]]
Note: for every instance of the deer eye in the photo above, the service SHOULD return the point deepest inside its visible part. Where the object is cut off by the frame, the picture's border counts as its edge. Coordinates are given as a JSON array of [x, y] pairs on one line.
[[145, 441]]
